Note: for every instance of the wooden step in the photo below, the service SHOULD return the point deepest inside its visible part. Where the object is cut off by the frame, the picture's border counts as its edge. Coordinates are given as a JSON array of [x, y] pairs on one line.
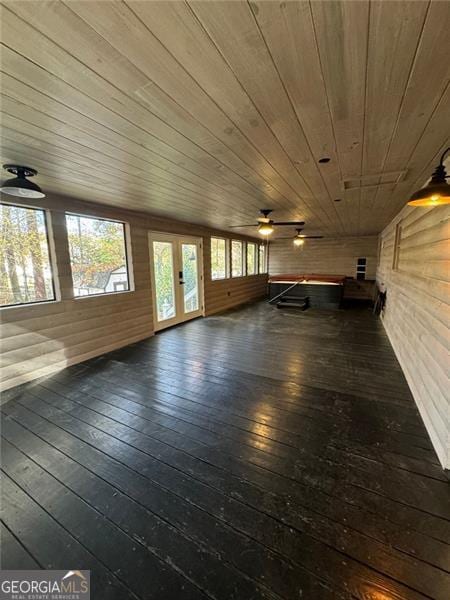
[[302, 305], [294, 299]]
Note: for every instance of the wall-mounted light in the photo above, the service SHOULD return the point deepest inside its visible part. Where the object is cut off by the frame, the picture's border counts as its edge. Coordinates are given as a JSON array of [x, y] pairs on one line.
[[21, 186], [436, 192]]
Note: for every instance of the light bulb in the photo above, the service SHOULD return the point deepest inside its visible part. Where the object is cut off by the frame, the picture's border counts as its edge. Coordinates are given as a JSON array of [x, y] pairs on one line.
[[265, 229]]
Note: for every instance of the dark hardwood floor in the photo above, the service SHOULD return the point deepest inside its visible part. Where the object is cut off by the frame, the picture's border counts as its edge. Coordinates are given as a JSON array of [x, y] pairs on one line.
[[256, 454]]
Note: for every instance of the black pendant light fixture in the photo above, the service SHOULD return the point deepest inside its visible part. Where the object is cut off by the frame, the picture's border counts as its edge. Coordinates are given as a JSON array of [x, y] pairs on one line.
[[437, 192], [21, 186]]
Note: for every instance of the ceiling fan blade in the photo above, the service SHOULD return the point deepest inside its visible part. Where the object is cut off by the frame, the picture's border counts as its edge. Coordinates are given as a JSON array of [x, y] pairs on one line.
[[292, 223], [251, 225], [303, 237]]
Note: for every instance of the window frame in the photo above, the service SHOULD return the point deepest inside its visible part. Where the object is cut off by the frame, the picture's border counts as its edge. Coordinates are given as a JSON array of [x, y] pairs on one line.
[[51, 258], [227, 258], [255, 258], [361, 268], [127, 248], [397, 245], [242, 274]]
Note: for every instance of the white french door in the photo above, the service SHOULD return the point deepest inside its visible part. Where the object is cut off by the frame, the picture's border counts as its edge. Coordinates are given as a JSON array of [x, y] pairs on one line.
[[177, 283]]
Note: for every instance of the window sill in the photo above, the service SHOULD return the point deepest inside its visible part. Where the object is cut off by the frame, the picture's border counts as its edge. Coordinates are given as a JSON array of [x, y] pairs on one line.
[[106, 294], [30, 304], [239, 277]]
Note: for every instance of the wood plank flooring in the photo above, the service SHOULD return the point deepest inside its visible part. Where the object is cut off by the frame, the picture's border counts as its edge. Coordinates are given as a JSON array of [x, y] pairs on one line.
[[258, 454]]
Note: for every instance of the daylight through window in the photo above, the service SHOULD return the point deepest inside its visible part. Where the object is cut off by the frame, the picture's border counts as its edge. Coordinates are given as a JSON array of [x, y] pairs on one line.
[[218, 258], [251, 258], [97, 255], [262, 259], [236, 259], [25, 269]]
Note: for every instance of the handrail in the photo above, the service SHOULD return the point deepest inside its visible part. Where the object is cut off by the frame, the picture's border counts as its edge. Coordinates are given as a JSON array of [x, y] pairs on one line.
[[283, 292]]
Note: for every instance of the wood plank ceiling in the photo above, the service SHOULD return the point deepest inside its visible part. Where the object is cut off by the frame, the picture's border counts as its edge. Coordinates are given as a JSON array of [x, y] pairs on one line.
[[208, 111]]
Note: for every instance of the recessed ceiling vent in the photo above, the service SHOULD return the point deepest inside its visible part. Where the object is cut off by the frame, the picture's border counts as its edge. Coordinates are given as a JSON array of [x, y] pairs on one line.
[[368, 181]]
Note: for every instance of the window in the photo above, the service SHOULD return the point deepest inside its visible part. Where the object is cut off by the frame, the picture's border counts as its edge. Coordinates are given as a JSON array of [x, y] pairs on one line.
[[219, 262], [361, 268], [236, 259], [262, 259], [397, 240], [25, 268], [251, 258], [97, 255]]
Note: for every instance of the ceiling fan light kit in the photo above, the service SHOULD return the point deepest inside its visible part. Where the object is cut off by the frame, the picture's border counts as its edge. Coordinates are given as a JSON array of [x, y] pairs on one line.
[[299, 238], [20, 185], [265, 225], [265, 228], [437, 192]]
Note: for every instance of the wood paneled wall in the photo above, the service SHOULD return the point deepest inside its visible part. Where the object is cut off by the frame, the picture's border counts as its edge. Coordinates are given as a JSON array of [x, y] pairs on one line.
[[41, 338], [417, 313], [333, 256]]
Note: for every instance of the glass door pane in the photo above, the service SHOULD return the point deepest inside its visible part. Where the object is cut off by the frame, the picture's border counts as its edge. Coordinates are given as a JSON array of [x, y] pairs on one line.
[[164, 280], [189, 259]]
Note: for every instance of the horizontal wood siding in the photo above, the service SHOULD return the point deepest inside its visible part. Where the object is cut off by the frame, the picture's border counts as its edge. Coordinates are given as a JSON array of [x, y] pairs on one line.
[[417, 313], [333, 256], [41, 338]]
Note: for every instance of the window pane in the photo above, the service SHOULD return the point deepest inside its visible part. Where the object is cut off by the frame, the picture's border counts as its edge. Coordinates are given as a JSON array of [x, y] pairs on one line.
[[97, 255], [190, 277], [262, 259], [25, 270], [218, 258], [251, 256], [164, 283], [236, 258]]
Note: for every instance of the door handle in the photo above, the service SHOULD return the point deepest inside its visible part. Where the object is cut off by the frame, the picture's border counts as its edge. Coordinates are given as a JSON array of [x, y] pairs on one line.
[[182, 282]]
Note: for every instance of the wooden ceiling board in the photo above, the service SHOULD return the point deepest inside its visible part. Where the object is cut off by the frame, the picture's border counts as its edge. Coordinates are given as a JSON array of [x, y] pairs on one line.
[[394, 28], [119, 186], [75, 73], [117, 165], [208, 111], [102, 182], [425, 89], [18, 145], [85, 135], [288, 31], [186, 87], [223, 26]]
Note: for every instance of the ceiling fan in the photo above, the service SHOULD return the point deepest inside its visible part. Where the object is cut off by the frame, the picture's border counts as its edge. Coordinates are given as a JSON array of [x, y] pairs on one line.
[[299, 238], [266, 225]]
